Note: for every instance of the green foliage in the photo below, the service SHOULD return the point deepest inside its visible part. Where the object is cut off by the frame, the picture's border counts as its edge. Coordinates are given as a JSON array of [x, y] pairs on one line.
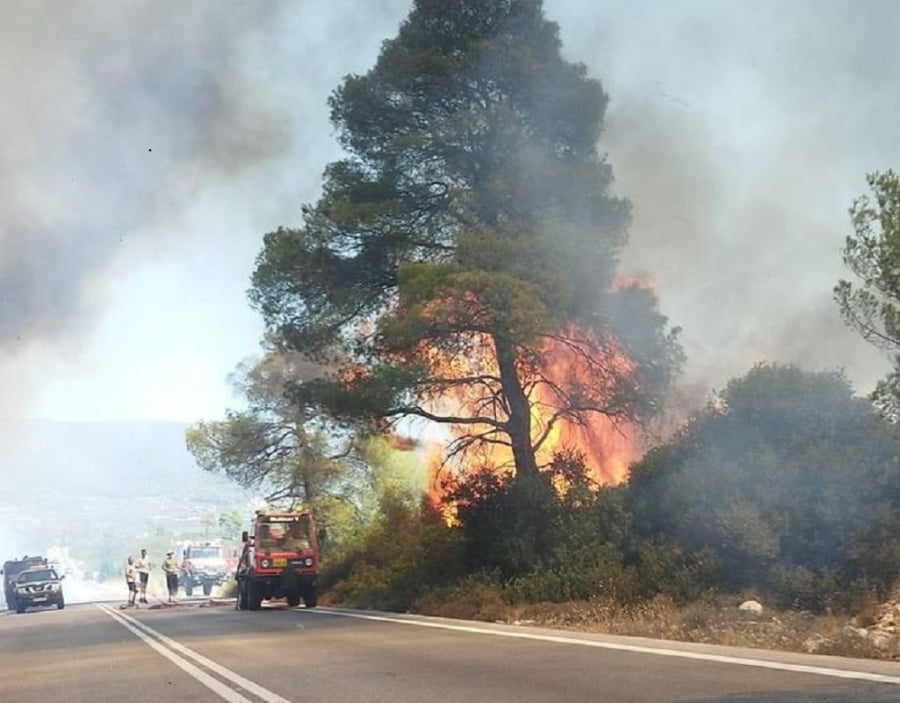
[[516, 541], [508, 525], [553, 539], [581, 572], [397, 559], [473, 597], [669, 570], [273, 446], [279, 448], [872, 254], [784, 482]]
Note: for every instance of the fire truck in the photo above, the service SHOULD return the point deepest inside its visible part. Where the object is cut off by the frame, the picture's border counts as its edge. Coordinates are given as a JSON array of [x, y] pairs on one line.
[[203, 565], [280, 559], [11, 571]]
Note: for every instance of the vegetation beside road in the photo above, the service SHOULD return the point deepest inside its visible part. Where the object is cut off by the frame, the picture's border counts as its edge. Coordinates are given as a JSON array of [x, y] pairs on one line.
[[460, 272]]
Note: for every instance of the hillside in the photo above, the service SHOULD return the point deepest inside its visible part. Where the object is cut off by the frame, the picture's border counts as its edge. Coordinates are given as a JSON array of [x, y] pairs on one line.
[[71, 483]]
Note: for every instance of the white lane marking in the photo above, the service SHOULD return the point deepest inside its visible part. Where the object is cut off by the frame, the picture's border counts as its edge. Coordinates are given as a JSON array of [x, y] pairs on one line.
[[216, 686], [228, 674], [662, 652]]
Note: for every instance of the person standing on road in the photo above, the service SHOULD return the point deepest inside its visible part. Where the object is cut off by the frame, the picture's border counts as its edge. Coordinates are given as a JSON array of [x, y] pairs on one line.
[[143, 569], [131, 580], [170, 566]]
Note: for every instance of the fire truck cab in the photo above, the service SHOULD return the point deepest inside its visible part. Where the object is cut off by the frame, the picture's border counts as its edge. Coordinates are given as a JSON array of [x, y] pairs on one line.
[[280, 559], [203, 565]]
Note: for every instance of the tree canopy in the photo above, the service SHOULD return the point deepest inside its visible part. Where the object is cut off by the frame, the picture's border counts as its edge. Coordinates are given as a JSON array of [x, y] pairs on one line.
[[872, 254], [468, 235]]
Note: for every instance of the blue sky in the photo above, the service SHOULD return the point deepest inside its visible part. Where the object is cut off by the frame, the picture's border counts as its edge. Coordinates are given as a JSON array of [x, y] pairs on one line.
[[145, 155]]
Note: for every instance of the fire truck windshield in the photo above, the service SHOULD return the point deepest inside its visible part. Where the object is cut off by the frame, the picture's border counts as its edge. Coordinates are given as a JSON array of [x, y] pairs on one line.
[[205, 552], [288, 536]]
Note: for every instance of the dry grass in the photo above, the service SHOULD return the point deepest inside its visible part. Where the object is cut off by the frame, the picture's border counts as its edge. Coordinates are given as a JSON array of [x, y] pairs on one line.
[[712, 621]]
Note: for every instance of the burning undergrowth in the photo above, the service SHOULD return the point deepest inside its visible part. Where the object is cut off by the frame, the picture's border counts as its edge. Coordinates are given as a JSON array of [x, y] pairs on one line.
[[580, 387]]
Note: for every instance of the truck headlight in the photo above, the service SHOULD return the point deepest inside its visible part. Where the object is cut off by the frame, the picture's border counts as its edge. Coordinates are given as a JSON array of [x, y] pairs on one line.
[[265, 563]]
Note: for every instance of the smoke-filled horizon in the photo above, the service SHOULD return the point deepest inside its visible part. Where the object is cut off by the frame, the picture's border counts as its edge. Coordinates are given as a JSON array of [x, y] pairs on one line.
[[742, 132], [145, 155]]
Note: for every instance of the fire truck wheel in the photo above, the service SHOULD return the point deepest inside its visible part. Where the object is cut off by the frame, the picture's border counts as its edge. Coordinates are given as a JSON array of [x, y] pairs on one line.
[[310, 598], [254, 595], [293, 600], [188, 590], [207, 588]]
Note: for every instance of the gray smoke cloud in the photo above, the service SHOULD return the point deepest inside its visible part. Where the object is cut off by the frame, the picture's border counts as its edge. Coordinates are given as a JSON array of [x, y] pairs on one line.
[[118, 118], [741, 132], [115, 114]]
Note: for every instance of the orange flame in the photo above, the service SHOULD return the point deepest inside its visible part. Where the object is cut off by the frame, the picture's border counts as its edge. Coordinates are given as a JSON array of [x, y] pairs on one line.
[[609, 446], [638, 280]]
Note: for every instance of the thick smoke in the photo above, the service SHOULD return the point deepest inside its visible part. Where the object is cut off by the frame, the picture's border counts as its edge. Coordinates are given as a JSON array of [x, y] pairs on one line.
[[114, 114], [120, 117], [742, 132]]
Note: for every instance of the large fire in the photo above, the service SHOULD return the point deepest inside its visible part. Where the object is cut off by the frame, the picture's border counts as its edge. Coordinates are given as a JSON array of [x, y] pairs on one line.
[[566, 363]]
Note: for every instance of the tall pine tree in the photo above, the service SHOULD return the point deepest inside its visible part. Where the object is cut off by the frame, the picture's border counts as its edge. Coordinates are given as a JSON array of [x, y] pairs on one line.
[[469, 229]]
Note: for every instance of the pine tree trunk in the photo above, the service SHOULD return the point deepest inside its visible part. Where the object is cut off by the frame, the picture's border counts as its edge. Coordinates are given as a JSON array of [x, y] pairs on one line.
[[519, 421]]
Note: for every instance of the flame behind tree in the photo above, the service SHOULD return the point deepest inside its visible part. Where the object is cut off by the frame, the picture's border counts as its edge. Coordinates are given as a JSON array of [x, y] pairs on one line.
[[469, 237], [572, 390]]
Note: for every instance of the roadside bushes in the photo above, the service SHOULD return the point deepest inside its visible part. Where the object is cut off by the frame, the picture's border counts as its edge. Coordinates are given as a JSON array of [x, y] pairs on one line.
[[402, 554], [787, 486], [788, 482]]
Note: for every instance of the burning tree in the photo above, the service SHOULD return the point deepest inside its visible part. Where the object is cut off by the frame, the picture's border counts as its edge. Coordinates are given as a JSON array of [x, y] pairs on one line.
[[462, 257]]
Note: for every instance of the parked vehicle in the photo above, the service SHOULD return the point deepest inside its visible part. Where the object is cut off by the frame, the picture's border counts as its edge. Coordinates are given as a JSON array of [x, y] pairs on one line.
[[11, 570], [39, 587], [280, 559], [204, 565]]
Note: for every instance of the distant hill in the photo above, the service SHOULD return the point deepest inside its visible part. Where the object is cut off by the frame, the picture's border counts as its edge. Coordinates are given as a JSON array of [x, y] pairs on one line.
[[85, 458], [67, 478]]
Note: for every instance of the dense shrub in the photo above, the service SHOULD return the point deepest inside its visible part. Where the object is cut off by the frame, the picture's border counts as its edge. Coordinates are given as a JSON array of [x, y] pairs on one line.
[[402, 555], [790, 481], [668, 570]]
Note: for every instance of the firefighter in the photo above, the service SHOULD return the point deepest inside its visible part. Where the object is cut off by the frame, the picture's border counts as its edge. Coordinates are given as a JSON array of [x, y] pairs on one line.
[[131, 581], [170, 567], [143, 569]]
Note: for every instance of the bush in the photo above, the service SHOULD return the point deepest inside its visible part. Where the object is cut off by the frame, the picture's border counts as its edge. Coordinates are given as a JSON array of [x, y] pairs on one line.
[[475, 597], [580, 575], [669, 570], [396, 560]]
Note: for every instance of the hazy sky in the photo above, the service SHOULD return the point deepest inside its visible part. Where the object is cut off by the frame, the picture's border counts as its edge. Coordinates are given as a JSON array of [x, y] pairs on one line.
[[145, 153]]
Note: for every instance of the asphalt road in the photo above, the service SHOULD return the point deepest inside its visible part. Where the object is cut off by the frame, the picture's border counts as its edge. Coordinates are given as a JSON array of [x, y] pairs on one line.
[[97, 653]]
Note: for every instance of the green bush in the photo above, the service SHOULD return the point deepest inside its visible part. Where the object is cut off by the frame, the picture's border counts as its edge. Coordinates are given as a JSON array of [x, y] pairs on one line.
[[400, 557], [609, 579], [669, 570]]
